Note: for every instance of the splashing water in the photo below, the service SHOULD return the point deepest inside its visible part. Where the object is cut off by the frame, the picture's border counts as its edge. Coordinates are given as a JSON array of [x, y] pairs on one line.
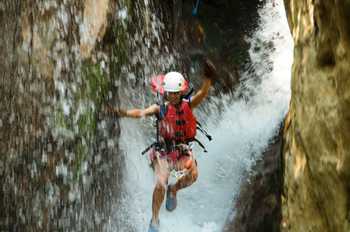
[[239, 140]]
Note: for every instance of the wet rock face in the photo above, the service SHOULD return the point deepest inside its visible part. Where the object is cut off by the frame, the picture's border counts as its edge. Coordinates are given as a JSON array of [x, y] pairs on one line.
[[317, 128], [57, 171], [218, 30], [60, 62]]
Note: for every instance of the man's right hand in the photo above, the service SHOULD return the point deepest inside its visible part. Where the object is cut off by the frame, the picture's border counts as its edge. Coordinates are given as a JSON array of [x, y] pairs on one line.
[[120, 113], [210, 70], [113, 111]]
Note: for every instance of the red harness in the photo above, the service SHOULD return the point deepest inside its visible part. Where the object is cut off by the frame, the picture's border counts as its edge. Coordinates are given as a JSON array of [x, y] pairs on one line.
[[179, 123]]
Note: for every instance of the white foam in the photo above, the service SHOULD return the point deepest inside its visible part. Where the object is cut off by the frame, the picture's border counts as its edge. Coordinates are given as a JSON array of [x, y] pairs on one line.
[[239, 139]]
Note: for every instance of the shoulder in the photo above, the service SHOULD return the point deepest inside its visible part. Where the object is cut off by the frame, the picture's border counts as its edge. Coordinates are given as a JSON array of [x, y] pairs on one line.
[[186, 103]]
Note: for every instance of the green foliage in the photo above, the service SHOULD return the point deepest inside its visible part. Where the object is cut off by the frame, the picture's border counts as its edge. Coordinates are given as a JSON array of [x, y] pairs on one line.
[[87, 123], [80, 156], [60, 119], [96, 85], [94, 89]]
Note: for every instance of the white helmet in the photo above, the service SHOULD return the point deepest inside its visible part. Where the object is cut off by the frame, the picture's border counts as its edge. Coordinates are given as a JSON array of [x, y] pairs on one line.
[[173, 82]]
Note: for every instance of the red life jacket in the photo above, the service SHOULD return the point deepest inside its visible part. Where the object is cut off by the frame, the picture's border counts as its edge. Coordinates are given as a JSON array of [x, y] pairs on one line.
[[179, 123]]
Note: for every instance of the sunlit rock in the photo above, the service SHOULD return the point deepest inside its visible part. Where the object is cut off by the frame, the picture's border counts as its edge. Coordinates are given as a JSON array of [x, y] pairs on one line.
[[94, 24], [317, 129]]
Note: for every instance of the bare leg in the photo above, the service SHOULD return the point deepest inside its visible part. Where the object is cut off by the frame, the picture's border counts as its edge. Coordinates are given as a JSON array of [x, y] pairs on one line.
[[162, 174], [157, 200], [187, 179]]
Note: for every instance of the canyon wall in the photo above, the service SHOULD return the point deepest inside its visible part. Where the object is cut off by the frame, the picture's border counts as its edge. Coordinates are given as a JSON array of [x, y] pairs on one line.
[[60, 63], [316, 153]]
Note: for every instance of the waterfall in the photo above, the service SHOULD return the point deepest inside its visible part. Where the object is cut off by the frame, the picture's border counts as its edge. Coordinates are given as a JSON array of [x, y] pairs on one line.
[[240, 136], [65, 60]]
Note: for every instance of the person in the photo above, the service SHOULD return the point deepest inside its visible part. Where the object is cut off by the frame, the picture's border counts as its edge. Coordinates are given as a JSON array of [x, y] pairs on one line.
[[177, 127]]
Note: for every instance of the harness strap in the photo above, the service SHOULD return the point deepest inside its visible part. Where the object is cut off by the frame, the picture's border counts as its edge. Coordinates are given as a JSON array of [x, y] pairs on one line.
[[162, 111], [195, 9], [200, 144], [200, 128], [158, 146], [188, 95], [155, 144]]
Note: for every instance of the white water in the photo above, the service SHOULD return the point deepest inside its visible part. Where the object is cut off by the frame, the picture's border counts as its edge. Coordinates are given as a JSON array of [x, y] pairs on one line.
[[239, 139]]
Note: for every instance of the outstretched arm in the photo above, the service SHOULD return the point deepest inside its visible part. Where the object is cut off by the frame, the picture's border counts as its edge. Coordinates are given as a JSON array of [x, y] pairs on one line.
[[209, 75], [201, 94], [136, 113]]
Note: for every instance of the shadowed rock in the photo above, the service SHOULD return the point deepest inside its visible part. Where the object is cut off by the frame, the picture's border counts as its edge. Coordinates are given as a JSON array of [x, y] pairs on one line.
[[258, 205]]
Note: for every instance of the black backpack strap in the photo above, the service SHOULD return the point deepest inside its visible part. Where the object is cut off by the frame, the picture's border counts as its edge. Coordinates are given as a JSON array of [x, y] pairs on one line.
[[199, 127], [188, 95], [149, 147], [162, 111], [160, 116], [200, 144]]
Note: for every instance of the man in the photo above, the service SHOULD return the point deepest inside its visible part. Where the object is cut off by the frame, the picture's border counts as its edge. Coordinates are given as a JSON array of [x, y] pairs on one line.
[[177, 127]]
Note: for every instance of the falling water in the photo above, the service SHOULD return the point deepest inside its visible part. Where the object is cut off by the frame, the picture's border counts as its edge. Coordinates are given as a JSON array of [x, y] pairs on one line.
[[240, 137]]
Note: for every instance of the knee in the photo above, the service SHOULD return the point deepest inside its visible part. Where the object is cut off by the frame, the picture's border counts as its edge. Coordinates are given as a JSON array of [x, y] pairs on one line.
[[159, 189], [194, 173], [162, 182]]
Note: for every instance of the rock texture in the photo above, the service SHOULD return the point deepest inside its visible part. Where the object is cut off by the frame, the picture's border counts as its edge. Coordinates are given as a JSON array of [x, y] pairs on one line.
[[56, 170], [94, 24], [60, 62], [317, 129], [258, 205]]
